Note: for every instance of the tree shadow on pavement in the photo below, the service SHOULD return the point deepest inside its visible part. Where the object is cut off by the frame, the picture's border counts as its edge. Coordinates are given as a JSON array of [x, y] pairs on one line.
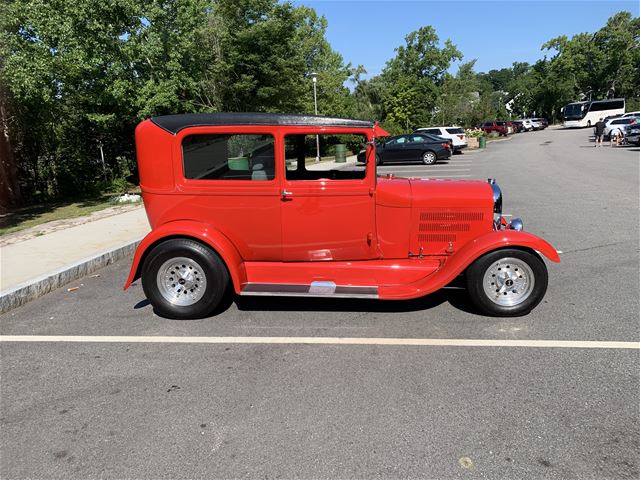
[[18, 216], [15, 217]]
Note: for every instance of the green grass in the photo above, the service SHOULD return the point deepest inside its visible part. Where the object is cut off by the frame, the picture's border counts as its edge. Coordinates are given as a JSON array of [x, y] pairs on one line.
[[35, 215]]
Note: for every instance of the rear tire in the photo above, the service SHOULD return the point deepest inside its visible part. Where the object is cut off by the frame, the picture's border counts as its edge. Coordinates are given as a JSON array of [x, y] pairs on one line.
[[429, 158], [507, 283], [183, 279]]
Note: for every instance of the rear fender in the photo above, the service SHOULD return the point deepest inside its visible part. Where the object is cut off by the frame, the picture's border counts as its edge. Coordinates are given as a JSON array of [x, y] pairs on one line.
[[203, 233]]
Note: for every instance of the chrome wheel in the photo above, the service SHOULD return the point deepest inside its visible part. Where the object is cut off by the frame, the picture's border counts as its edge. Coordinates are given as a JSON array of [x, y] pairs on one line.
[[181, 281], [508, 282]]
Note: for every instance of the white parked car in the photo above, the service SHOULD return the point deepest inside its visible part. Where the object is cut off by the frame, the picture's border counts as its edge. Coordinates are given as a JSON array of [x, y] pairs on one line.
[[526, 123], [618, 124], [455, 134], [632, 114], [535, 124]]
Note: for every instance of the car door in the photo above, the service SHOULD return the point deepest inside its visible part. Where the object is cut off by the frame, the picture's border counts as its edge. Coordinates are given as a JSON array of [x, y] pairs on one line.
[[415, 146], [327, 207], [226, 179], [393, 150]]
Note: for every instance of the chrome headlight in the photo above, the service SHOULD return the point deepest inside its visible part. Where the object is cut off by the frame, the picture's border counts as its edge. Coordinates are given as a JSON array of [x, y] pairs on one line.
[[497, 196], [516, 224]]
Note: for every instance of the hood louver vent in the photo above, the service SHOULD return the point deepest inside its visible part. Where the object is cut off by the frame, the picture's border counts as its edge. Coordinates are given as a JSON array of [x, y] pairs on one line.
[[444, 227], [445, 231], [436, 238], [451, 216]]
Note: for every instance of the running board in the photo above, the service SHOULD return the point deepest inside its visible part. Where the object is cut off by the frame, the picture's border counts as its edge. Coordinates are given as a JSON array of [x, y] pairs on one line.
[[315, 289]]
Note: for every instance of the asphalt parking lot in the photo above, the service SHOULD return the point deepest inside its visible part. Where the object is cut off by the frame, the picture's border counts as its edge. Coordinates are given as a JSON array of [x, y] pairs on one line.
[[130, 409]]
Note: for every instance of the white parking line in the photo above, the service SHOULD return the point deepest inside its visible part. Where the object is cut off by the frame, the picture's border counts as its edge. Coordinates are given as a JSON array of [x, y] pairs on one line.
[[407, 342], [425, 167], [439, 170]]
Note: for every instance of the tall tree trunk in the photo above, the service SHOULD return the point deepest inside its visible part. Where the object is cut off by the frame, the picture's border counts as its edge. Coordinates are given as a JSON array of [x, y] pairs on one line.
[[9, 188]]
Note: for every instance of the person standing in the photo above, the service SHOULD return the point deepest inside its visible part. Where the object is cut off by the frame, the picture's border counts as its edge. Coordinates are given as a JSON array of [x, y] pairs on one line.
[[598, 130]]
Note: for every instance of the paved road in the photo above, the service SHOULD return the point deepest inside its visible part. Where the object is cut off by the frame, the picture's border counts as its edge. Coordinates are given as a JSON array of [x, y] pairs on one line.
[[114, 410]]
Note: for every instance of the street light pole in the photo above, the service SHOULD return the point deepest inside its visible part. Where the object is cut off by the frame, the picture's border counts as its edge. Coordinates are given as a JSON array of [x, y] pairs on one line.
[[314, 79]]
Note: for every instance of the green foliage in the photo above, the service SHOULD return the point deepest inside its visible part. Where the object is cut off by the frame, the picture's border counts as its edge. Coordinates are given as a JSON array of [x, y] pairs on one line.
[[415, 89], [78, 76], [475, 133], [410, 81], [84, 73]]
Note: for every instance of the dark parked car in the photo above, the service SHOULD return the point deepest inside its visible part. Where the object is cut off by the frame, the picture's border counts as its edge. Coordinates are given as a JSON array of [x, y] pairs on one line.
[[413, 147], [518, 126], [632, 134]]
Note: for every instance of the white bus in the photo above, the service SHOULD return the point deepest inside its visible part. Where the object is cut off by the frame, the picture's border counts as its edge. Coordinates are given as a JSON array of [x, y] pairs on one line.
[[585, 114]]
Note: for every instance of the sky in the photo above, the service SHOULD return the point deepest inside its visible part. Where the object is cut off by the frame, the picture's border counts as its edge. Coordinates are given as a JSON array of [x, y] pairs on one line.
[[495, 33]]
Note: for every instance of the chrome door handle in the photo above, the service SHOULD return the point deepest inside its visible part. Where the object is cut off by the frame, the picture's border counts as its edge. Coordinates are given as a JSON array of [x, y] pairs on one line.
[[286, 194]]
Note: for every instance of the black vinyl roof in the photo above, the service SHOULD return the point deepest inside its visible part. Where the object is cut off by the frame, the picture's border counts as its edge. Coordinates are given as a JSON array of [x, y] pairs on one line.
[[174, 123]]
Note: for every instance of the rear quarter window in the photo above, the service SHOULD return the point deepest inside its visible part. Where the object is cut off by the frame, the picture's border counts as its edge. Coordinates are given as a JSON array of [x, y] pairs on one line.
[[455, 131], [228, 157]]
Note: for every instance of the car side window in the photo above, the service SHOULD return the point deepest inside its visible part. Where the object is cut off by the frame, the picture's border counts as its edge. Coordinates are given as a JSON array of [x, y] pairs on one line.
[[334, 157], [417, 139], [228, 157]]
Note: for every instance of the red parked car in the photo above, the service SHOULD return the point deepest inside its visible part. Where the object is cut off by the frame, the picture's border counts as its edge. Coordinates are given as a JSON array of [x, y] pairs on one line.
[[263, 204], [499, 127]]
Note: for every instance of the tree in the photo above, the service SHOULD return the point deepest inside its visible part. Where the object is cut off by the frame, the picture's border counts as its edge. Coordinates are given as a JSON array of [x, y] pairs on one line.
[[10, 195], [82, 74], [458, 96], [603, 64], [411, 79]]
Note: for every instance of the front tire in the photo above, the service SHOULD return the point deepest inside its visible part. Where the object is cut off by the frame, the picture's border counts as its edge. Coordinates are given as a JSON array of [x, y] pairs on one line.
[[183, 279], [429, 157], [507, 283], [378, 160]]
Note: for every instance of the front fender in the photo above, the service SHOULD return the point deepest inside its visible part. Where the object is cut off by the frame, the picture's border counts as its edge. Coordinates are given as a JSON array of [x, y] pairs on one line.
[[198, 231], [507, 238], [460, 260], [494, 241]]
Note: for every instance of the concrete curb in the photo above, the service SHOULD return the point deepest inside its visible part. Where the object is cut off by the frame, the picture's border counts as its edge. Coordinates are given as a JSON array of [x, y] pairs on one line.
[[36, 287]]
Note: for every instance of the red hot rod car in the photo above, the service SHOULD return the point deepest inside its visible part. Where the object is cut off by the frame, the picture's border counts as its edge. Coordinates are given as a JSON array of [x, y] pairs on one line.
[[272, 204]]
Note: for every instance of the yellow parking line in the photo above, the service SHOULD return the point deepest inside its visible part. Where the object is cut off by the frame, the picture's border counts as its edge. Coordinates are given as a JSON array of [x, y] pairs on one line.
[[408, 342]]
